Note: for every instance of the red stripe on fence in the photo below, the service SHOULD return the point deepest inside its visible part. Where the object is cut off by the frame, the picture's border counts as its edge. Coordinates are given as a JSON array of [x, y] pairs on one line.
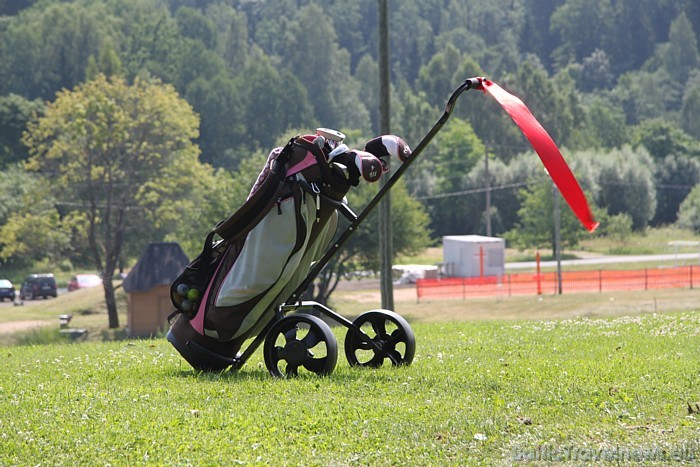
[[572, 281]]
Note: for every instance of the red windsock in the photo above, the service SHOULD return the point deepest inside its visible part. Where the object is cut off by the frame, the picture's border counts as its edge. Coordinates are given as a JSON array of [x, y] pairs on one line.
[[547, 150]]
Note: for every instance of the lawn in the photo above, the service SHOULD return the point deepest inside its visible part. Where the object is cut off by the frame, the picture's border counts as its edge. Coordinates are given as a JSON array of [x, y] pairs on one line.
[[489, 392], [571, 378]]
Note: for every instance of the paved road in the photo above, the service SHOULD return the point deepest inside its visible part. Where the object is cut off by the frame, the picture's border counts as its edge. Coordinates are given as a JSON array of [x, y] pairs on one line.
[[606, 260], [6, 302]]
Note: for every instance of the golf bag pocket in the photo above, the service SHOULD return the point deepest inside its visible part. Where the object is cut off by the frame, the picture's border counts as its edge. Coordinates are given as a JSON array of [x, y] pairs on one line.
[[188, 288], [267, 250], [267, 261], [197, 286]]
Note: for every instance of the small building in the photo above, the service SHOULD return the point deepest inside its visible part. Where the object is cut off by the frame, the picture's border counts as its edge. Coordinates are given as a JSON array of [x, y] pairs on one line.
[[473, 256], [148, 288]]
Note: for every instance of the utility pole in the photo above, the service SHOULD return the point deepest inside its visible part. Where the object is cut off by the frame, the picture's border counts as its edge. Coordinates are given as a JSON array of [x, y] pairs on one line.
[[557, 234], [386, 244], [488, 190]]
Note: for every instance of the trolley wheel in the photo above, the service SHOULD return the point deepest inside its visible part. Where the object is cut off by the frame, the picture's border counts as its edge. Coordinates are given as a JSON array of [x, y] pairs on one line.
[[300, 340], [382, 335]]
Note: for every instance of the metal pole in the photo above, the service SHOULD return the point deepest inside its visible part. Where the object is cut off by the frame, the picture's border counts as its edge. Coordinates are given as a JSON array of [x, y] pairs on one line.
[[488, 190], [557, 235], [386, 244]]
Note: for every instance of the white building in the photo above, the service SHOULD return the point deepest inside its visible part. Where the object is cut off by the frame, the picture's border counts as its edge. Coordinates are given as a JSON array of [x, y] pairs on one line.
[[473, 256]]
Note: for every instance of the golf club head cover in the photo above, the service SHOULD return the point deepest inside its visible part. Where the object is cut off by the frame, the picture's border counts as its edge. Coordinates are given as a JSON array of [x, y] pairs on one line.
[[356, 164], [370, 167], [387, 146]]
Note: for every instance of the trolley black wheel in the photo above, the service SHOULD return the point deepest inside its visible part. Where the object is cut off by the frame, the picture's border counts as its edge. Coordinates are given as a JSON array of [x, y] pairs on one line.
[[383, 335], [300, 341]]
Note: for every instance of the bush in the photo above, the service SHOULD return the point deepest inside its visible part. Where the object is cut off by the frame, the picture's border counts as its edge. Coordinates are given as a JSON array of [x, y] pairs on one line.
[[689, 211]]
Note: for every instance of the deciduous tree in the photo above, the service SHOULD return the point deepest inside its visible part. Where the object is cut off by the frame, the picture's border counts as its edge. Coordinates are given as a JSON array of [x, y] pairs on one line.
[[109, 149]]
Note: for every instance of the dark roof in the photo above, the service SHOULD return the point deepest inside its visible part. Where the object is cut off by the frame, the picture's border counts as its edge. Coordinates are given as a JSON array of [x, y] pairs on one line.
[[160, 263]]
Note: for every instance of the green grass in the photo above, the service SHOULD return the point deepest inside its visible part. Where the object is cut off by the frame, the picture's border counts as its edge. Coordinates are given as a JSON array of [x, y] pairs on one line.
[[488, 392], [651, 241]]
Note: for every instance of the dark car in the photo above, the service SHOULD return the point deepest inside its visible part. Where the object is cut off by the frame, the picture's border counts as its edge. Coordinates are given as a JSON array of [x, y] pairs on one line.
[[7, 290], [38, 285]]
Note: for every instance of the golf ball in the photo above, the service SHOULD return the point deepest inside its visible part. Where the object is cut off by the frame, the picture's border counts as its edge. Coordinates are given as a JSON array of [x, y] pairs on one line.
[[193, 294], [186, 305], [182, 290]]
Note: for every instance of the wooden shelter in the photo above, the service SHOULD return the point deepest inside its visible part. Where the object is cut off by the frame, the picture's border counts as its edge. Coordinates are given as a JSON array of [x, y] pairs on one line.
[[148, 288]]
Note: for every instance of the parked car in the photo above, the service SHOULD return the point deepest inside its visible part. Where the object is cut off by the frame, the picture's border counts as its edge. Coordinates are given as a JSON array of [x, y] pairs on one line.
[[38, 285], [7, 290], [83, 281]]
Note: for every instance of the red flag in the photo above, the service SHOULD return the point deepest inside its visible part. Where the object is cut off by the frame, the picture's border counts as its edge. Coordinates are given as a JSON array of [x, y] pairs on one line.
[[547, 150]]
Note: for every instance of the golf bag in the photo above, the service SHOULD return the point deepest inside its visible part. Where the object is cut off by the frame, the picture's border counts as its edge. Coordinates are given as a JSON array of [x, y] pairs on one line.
[[231, 291]]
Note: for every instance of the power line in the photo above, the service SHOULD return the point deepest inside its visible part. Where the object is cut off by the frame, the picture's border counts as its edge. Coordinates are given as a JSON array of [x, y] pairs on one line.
[[507, 186]]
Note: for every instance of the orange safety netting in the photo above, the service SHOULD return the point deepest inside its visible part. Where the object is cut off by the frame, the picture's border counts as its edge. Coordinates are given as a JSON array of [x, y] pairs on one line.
[[546, 283]]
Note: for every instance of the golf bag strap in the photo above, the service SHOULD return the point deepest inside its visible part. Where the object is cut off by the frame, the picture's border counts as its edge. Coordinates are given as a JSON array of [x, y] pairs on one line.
[[331, 184], [318, 154], [239, 222], [205, 258]]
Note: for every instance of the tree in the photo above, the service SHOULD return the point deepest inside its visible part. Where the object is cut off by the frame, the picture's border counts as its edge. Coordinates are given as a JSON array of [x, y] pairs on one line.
[[233, 35], [619, 227], [675, 176], [682, 53], [582, 26], [29, 220], [313, 56], [604, 125], [627, 185], [661, 138], [453, 153], [367, 75], [536, 36], [218, 99], [645, 95], [47, 48], [274, 102], [194, 25], [535, 228], [595, 72], [213, 196], [15, 112], [689, 211], [110, 148], [551, 105], [152, 45], [434, 78], [690, 112], [108, 63]]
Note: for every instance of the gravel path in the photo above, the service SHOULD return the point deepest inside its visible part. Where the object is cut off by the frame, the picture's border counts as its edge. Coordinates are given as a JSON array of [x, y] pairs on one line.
[[15, 326]]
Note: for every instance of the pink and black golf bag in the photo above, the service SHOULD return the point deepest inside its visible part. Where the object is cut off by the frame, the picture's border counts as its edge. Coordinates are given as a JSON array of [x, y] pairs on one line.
[[265, 250]]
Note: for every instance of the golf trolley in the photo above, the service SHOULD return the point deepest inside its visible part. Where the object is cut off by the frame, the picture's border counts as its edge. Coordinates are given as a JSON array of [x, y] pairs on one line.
[[293, 337]]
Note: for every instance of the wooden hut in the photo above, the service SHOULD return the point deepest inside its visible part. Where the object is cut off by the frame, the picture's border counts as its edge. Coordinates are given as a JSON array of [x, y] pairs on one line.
[[148, 288]]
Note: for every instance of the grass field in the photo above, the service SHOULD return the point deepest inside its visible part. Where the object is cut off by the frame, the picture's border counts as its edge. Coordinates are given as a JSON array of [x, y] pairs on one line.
[[478, 392], [575, 378]]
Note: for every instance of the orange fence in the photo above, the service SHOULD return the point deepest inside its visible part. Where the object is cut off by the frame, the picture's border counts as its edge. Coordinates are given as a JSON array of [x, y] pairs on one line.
[[546, 283]]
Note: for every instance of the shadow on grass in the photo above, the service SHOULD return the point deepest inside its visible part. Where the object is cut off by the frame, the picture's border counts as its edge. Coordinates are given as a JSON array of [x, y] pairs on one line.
[[256, 373]]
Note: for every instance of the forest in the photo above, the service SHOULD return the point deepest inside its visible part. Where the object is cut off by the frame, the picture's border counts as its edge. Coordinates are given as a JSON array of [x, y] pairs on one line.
[[217, 84]]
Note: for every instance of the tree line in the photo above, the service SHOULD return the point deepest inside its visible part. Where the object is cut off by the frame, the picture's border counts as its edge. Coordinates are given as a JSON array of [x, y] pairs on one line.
[[617, 85]]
